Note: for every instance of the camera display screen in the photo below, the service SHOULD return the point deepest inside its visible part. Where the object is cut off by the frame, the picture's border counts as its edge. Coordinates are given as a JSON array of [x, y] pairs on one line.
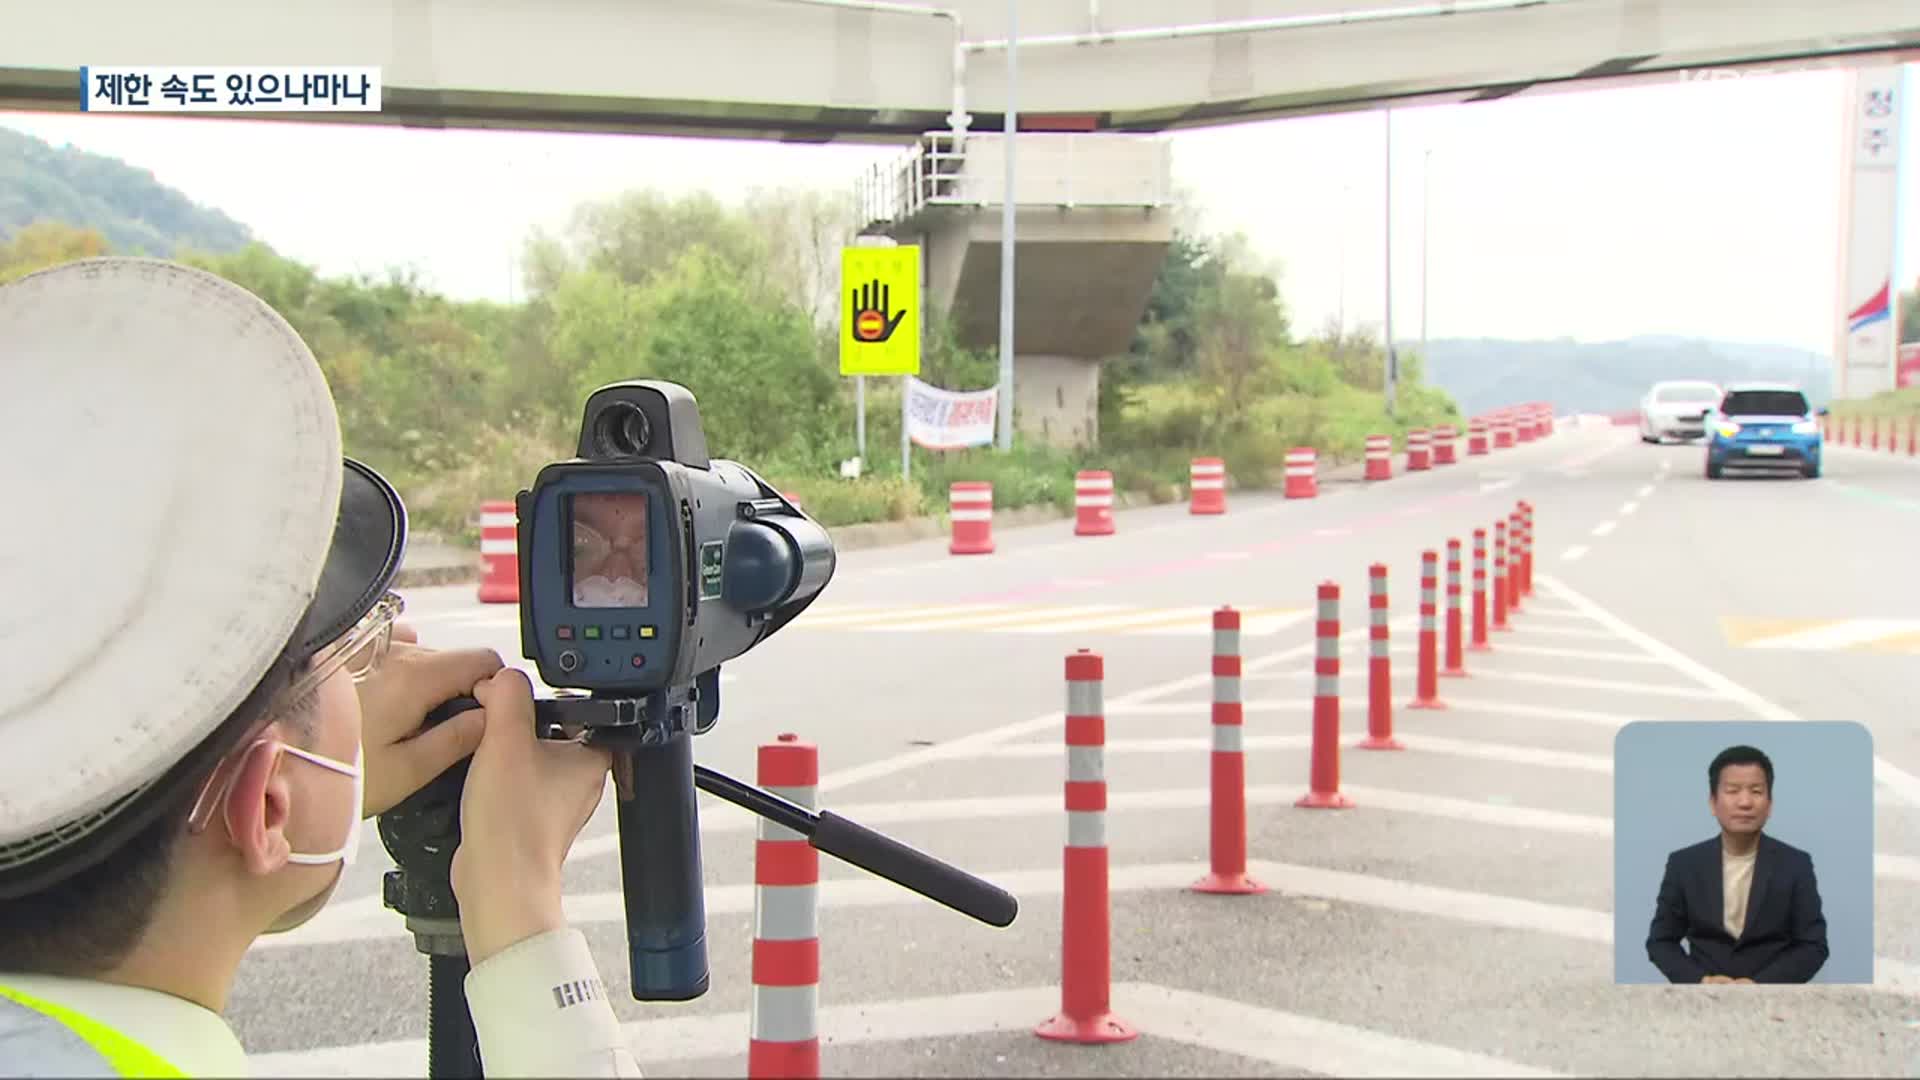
[[610, 565]]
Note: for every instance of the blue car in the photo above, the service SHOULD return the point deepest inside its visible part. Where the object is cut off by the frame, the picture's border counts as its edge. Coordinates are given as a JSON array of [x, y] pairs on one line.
[[1764, 426]]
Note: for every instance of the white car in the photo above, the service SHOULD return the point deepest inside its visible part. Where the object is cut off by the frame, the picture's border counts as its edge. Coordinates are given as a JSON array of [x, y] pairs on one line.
[[1677, 410]]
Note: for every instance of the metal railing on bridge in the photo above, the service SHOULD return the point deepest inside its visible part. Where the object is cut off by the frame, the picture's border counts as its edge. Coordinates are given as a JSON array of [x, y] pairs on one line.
[[1054, 169]]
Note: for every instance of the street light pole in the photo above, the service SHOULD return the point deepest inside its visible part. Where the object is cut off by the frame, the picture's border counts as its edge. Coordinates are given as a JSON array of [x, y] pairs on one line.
[[1009, 129], [1393, 368], [1426, 203]]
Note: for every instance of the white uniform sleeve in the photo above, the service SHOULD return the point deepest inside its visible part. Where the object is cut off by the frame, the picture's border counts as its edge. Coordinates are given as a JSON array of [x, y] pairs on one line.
[[540, 1009]]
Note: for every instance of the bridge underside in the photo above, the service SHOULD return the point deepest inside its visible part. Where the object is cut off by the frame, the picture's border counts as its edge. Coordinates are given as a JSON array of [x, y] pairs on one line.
[[810, 72]]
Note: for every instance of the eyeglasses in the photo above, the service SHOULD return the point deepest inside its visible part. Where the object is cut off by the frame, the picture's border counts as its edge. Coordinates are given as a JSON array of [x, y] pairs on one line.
[[359, 652]]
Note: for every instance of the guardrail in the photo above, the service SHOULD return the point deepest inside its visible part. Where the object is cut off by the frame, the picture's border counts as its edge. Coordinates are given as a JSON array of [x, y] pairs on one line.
[[1055, 169]]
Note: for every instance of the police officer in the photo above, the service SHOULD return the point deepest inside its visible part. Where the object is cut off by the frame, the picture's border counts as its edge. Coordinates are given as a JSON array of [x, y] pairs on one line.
[[205, 693]]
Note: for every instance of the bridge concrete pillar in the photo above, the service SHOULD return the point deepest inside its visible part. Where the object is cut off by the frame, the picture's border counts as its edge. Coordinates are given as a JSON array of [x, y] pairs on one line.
[[1092, 226]]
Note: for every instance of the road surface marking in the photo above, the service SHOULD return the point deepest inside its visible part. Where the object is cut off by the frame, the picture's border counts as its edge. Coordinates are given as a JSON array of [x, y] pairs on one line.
[[1229, 555], [1331, 532], [973, 743], [1857, 635], [1490, 487], [1433, 744], [1574, 553], [1288, 1042], [1456, 704], [1606, 655], [1544, 678], [1604, 528], [1628, 507], [1531, 607], [1041, 619], [1903, 783], [1645, 491], [1286, 879], [1564, 631]]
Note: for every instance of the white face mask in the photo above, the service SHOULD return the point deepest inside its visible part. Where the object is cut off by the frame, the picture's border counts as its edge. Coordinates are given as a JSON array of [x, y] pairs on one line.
[[601, 591], [351, 845]]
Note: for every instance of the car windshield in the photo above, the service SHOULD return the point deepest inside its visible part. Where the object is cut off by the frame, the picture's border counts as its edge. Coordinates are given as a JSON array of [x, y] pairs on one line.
[[1765, 403], [1700, 393]]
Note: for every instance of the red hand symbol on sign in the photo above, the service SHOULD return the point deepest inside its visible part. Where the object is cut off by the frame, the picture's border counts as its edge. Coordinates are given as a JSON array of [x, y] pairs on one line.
[[871, 322]]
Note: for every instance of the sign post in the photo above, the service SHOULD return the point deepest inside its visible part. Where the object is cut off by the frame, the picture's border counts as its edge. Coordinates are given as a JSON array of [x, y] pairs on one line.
[[880, 316]]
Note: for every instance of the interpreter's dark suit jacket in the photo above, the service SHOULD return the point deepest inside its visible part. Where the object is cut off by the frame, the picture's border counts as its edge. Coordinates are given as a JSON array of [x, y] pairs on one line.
[[1785, 937]]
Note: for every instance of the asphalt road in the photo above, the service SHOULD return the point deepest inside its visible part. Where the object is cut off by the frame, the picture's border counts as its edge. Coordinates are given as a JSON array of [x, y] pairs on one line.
[[1456, 921]]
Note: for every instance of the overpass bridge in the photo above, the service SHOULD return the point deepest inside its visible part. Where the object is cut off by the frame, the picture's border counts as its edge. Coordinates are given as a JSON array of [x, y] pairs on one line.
[[1099, 84], [869, 70]]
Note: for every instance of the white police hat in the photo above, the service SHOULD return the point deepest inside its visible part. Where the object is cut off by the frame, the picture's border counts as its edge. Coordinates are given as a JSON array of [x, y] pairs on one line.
[[180, 516]]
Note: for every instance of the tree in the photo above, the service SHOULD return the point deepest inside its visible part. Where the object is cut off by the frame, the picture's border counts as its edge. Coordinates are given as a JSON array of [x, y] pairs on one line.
[[1910, 314], [47, 244]]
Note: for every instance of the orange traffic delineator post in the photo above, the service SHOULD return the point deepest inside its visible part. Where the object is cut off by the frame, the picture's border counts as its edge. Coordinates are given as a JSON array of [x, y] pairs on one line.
[[1323, 777], [1873, 434], [1302, 481], [1516, 555], [1446, 448], [1379, 666], [1426, 694], [1093, 503], [1456, 666], [1207, 486], [1379, 457], [970, 506], [1476, 438], [1526, 548], [499, 552], [1227, 839], [1480, 642], [1419, 450], [1500, 576], [785, 1018], [1913, 436], [1086, 938]]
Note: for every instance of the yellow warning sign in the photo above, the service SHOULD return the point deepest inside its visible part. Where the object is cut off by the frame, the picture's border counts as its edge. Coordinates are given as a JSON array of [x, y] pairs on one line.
[[880, 310]]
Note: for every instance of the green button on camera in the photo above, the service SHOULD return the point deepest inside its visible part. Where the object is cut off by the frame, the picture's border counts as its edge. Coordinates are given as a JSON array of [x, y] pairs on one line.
[[591, 633]]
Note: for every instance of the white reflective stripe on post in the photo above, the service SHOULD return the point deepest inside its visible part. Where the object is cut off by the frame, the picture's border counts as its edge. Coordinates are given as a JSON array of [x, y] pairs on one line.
[[499, 521], [1226, 642], [1226, 689], [1092, 500], [1087, 828], [1378, 616], [1094, 483], [493, 546], [1327, 648], [799, 796], [970, 515], [1227, 738], [787, 913], [1209, 470], [1086, 765], [1202, 484], [1085, 698], [785, 1014]]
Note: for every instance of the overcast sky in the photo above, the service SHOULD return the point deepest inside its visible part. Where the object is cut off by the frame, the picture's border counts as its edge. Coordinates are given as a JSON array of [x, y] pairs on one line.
[[1697, 208]]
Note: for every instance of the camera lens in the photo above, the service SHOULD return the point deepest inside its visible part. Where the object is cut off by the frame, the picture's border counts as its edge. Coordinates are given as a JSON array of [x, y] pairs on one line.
[[622, 429]]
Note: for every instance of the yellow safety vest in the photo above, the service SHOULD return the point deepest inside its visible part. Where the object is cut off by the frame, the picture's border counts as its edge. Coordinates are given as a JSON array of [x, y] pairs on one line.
[[48, 1041]]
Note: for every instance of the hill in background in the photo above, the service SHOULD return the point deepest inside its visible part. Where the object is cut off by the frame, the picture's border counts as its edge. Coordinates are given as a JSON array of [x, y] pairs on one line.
[[137, 214], [1600, 377]]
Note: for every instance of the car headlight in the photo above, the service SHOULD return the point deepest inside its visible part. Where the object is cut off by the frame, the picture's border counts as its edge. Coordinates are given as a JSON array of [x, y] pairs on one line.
[[1806, 427], [1727, 428]]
